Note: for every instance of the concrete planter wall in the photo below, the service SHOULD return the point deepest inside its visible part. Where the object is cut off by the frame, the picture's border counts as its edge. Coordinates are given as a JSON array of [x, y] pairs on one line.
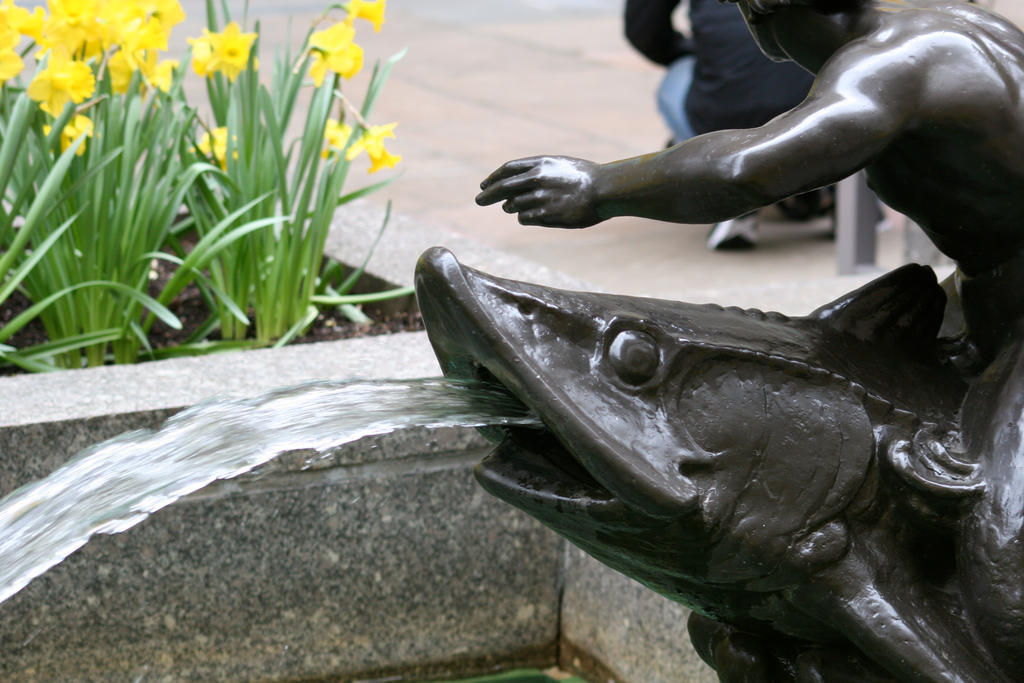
[[384, 560]]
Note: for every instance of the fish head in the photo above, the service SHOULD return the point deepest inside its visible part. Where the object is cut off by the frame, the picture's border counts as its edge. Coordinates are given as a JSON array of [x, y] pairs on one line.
[[682, 444]]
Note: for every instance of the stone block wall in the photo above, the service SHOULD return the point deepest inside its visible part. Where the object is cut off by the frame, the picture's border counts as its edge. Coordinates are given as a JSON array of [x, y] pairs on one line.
[[614, 629], [343, 572], [385, 557]]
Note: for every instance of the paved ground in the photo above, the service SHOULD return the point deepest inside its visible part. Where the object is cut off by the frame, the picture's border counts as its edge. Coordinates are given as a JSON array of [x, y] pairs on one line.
[[487, 81]]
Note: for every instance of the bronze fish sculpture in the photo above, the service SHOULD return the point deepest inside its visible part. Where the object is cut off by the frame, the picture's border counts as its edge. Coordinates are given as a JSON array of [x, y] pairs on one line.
[[803, 484]]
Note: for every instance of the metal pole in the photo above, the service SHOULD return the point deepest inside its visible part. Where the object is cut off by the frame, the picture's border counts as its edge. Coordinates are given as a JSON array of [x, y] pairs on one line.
[[857, 214]]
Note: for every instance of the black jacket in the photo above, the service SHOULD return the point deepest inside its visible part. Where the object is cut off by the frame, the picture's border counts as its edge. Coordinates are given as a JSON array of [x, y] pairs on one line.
[[734, 84]]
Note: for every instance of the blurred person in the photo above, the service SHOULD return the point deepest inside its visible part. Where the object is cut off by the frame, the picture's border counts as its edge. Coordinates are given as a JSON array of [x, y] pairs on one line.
[[718, 79]]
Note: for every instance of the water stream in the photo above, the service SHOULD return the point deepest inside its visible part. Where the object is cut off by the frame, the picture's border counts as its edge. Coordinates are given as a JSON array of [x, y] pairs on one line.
[[114, 485]]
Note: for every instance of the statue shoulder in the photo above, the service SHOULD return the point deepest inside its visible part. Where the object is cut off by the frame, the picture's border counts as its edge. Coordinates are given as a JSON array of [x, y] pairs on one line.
[[930, 60], [949, 35]]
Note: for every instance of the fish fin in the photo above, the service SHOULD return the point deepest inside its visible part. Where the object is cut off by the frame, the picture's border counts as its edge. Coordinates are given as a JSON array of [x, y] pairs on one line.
[[903, 307], [938, 475]]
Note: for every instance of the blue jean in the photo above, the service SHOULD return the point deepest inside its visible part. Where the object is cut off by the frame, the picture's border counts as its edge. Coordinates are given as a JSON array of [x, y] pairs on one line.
[[672, 97]]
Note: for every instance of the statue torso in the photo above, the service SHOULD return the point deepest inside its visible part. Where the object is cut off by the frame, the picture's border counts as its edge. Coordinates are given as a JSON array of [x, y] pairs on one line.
[[957, 167]]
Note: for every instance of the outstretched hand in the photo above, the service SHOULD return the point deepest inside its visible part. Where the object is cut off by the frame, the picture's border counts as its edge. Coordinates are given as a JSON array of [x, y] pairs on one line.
[[555, 192]]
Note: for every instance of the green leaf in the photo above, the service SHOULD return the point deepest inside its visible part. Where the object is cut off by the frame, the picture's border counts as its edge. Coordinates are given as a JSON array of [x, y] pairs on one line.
[[296, 329], [354, 314], [380, 76], [211, 243], [351, 280], [362, 192], [31, 312], [15, 277], [276, 135], [80, 341], [397, 292], [14, 135], [28, 364], [41, 206], [200, 276]]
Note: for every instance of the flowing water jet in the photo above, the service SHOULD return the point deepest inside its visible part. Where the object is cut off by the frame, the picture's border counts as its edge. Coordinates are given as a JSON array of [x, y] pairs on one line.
[[114, 485]]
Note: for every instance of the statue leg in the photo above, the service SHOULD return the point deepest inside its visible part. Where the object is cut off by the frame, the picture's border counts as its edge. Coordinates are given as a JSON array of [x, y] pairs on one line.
[[991, 543], [739, 657], [735, 656]]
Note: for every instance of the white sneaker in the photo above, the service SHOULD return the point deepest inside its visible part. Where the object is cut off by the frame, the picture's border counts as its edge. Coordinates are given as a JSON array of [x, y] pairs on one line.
[[736, 233]]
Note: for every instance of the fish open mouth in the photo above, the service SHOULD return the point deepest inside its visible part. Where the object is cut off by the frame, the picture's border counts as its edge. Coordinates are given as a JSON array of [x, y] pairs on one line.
[[530, 464], [530, 467]]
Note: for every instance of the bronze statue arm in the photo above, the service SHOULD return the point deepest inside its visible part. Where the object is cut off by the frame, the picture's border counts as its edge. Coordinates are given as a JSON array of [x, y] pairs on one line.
[[848, 120], [728, 173]]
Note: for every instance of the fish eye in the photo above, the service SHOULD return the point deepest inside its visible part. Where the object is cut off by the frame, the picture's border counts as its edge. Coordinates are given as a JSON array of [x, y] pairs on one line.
[[634, 356]]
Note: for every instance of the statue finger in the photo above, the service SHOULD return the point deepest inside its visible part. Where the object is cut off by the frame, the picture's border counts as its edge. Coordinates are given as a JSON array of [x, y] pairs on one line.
[[533, 217], [493, 194], [523, 202], [509, 169], [508, 188], [547, 218]]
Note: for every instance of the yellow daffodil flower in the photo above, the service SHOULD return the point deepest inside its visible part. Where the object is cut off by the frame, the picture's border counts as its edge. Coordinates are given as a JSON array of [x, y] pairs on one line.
[[202, 52], [231, 50], [159, 74], [75, 25], [215, 144], [63, 80], [11, 64], [372, 140], [121, 67], [119, 19], [74, 12], [333, 49], [383, 160], [168, 12], [371, 10], [336, 134], [25, 23], [155, 73], [225, 52], [138, 48], [150, 35], [9, 36], [79, 125]]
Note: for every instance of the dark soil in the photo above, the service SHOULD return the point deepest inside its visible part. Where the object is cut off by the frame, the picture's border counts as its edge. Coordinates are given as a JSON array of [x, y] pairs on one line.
[[331, 324], [32, 333]]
